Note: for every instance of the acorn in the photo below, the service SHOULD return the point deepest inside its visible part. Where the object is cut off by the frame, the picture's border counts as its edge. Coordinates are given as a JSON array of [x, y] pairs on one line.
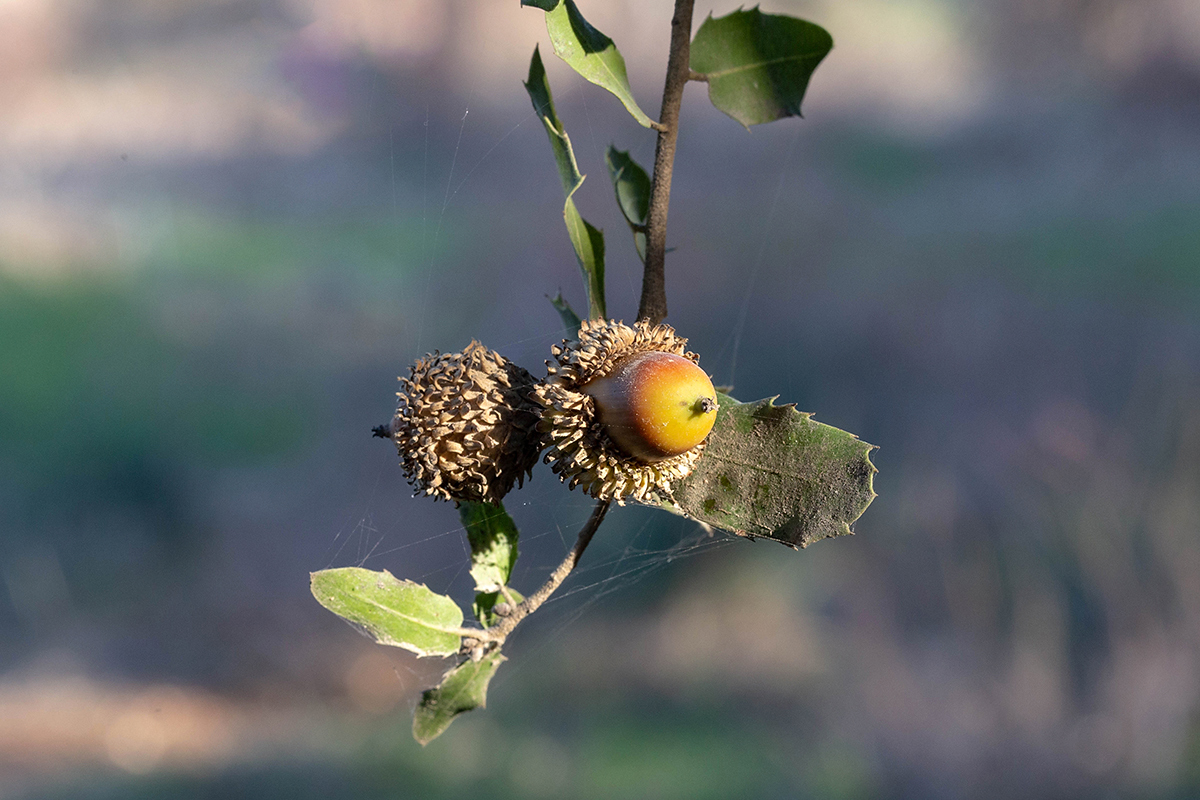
[[655, 405], [466, 425], [625, 410]]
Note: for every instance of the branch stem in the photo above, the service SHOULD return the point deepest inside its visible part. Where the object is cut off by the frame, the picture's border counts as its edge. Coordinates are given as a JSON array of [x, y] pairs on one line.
[[500, 631], [653, 306]]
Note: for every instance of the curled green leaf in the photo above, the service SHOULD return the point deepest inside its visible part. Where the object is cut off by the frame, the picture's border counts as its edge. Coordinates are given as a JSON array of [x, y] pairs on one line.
[[587, 240], [570, 319], [758, 65], [632, 185]]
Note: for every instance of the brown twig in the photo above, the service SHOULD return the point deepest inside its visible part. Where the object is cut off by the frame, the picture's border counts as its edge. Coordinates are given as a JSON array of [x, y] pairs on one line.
[[653, 306]]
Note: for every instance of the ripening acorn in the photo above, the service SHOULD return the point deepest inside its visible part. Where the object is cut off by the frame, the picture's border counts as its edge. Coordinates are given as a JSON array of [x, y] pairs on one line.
[[625, 410], [655, 405]]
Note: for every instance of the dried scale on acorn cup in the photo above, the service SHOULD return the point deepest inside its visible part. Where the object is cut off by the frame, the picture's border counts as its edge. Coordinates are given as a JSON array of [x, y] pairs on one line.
[[625, 410], [465, 425]]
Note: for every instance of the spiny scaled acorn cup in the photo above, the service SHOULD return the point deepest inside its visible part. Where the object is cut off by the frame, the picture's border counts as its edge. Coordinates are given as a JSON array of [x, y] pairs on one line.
[[466, 425], [625, 410]]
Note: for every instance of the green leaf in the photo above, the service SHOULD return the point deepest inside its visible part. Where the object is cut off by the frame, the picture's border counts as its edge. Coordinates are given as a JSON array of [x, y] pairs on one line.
[[394, 612], [538, 87], [774, 472], [587, 241], [569, 318], [632, 186], [486, 601], [758, 65], [462, 689], [493, 538], [588, 51]]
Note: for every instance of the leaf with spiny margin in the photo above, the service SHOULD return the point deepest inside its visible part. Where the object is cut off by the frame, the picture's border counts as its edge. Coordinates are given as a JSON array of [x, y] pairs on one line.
[[394, 612], [570, 319], [758, 65], [774, 472], [486, 601], [589, 52], [493, 538], [587, 241], [632, 186], [462, 689]]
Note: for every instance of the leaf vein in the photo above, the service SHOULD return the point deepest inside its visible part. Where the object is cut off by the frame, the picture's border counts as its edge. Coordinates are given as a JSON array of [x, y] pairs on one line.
[[732, 70]]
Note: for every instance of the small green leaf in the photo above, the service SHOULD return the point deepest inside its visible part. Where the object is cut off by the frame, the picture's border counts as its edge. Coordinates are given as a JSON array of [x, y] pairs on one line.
[[758, 65], [493, 538], [587, 240], [588, 51], [462, 689], [570, 319], [538, 87], [394, 612], [774, 472], [632, 186], [486, 601]]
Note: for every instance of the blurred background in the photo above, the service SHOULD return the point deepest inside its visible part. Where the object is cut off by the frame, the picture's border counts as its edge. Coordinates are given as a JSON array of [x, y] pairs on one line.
[[226, 226]]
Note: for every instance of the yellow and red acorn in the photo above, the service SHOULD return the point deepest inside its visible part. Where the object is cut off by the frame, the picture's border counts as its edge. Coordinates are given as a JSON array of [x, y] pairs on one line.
[[655, 405]]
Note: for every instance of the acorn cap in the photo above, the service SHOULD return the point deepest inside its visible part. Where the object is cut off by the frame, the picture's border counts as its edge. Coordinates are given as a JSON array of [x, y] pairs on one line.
[[581, 452], [466, 426]]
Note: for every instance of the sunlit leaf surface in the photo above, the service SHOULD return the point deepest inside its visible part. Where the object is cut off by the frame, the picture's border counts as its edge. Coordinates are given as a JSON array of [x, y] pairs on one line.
[[394, 612], [774, 472], [758, 65]]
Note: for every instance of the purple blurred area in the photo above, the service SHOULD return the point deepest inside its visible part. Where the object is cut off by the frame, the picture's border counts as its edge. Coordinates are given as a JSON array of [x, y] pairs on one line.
[[226, 226]]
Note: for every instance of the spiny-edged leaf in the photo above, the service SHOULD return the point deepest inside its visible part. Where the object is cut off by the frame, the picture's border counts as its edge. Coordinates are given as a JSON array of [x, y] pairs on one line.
[[486, 601], [632, 186], [462, 689], [493, 538], [570, 319], [758, 65], [394, 612], [587, 241], [774, 472], [588, 51]]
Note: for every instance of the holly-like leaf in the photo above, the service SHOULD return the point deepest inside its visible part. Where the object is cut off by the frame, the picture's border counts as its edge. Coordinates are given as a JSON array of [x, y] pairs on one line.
[[394, 612], [570, 319], [758, 65], [587, 240], [485, 602], [493, 538], [463, 688], [774, 472], [588, 51], [632, 186]]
